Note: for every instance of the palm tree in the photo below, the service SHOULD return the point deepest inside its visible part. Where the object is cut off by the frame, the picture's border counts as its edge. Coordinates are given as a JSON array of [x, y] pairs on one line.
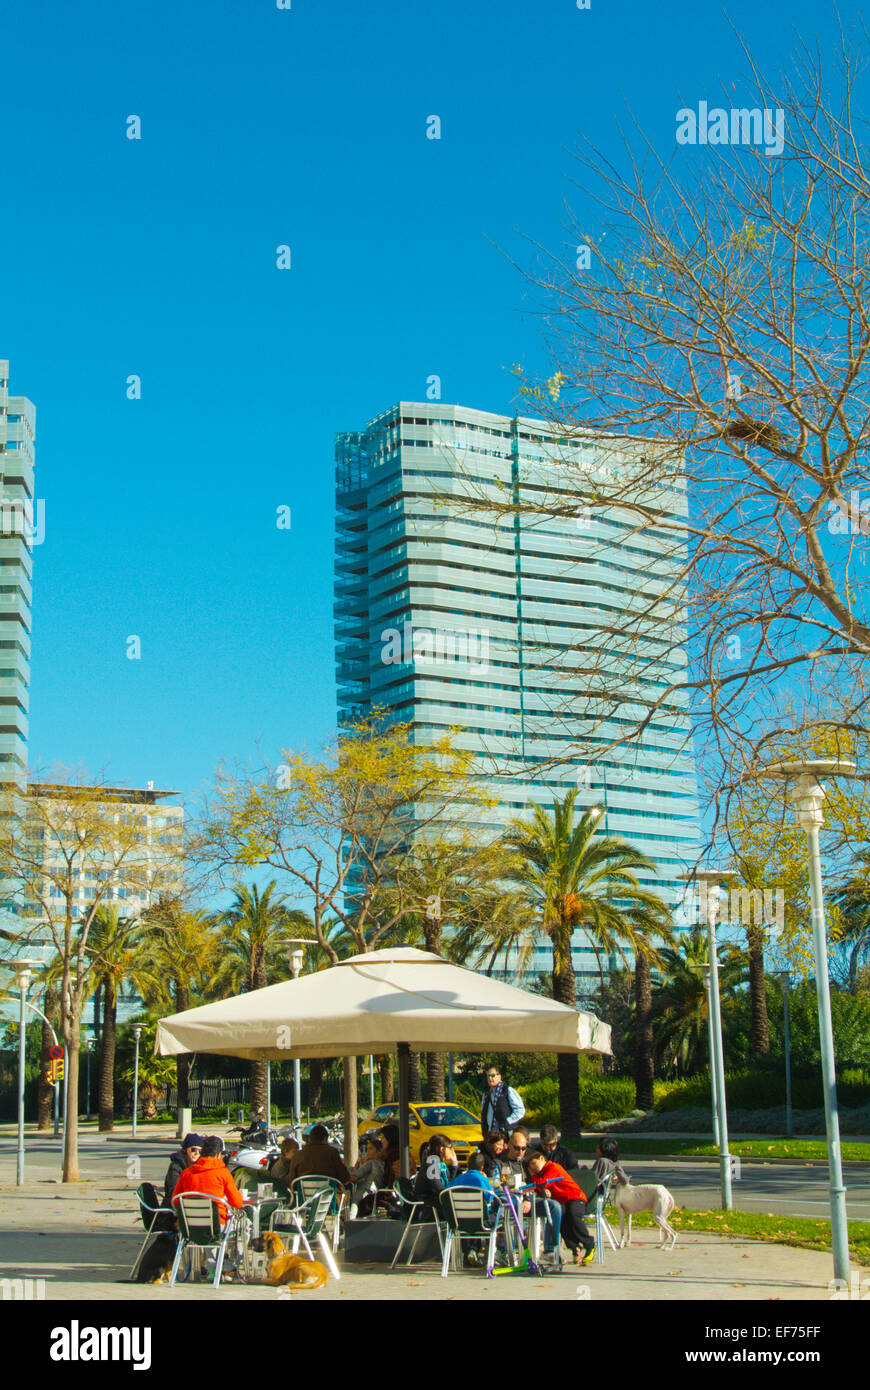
[[853, 900], [115, 965], [752, 873], [254, 944], [181, 950], [681, 1000], [572, 879]]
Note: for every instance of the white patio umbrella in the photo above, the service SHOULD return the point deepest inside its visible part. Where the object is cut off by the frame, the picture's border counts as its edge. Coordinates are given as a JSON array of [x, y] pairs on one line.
[[398, 998]]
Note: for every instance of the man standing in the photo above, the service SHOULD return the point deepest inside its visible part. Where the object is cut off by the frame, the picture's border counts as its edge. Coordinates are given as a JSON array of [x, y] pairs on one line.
[[502, 1108]]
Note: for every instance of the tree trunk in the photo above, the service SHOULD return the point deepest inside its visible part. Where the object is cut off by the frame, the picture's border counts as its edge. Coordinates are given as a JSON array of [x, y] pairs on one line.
[[106, 1084], [643, 1055], [184, 1060], [759, 1024], [71, 1119], [567, 1063], [45, 1093], [258, 1089], [388, 1089], [97, 1007], [351, 1116], [259, 1069], [434, 1060], [415, 1083], [315, 1085], [435, 1076]]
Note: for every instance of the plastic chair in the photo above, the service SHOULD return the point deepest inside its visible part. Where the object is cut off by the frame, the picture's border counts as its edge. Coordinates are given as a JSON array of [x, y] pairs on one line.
[[466, 1213], [150, 1210], [304, 1222], [603, 1228], [200, 1228], [303, 1188], [404, 1190]]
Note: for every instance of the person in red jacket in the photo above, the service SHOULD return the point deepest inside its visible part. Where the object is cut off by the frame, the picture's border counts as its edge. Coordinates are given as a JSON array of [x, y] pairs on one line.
[[210, 1175], [553, 1181]]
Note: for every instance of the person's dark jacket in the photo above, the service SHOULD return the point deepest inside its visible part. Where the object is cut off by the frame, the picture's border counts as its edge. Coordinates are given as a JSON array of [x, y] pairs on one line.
[[177, 1165], [492, 1162], [428, 1186], [508, 1104], [564, 1157]]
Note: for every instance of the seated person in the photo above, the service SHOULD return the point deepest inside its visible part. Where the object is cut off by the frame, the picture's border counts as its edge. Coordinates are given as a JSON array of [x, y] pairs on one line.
[[318, 1157], [475, 1176], [368, 1175], [607, 1161], [210, 1175], [551, 1147], [494, 1151], [546, 1208], [189, 1152], [280, 1170], [552, 1180], [438, 1166]]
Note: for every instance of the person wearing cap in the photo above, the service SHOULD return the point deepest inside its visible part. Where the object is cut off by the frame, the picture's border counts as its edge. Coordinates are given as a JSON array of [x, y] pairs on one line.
[[188, 1154]]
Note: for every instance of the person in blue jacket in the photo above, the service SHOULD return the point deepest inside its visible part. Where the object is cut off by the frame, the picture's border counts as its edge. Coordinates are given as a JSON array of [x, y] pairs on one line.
[[474, 1176]]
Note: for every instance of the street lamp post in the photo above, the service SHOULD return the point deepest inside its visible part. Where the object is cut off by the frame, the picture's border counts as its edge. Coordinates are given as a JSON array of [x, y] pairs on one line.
[[296, 959], [808, 795], [137, 1033], [90, 1047], [712, 879], [22, 980], [789, 1117]]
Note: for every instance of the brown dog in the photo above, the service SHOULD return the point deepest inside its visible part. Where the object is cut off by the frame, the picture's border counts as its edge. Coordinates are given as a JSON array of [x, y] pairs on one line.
[[285, 1268]]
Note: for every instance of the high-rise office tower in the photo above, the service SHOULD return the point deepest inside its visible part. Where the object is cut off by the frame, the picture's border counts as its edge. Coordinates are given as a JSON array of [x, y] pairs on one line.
[[465, 601], [20, 526]]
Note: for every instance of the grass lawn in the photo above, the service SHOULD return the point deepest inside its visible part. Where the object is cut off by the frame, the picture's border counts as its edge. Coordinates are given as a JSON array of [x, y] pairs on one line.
[[802, 1231], [798, 1149]]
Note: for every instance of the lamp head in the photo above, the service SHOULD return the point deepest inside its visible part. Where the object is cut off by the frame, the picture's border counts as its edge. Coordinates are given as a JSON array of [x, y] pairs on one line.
[[137, 1031]]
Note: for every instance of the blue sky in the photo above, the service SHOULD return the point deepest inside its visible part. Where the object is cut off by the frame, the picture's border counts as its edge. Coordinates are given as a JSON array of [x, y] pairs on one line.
[[157, 257]]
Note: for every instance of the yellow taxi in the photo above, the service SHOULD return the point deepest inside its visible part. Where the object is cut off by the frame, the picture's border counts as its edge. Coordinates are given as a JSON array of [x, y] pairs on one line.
[[435, 1117]]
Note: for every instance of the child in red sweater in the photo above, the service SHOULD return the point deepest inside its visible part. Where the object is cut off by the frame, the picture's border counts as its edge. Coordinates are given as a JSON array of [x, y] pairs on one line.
[[552, 1180]]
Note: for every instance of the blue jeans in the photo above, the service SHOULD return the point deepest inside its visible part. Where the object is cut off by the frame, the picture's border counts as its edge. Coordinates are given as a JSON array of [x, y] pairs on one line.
[[551, 1212]]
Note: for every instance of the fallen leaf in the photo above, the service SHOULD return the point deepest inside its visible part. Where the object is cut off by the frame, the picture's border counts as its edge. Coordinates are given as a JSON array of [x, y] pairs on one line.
[[415, 1283], [674, 1271], [738, 1286]]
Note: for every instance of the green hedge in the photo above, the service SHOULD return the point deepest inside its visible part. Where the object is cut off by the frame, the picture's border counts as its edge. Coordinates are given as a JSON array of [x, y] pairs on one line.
[[612, 1097]]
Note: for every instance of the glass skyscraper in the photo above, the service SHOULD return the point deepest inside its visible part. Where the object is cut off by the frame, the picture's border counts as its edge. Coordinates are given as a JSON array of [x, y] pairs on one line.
[[464, 600], [20, 525]]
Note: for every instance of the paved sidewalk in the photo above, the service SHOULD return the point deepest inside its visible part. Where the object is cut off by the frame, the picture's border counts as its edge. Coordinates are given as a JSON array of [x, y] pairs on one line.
[[82, 1241]]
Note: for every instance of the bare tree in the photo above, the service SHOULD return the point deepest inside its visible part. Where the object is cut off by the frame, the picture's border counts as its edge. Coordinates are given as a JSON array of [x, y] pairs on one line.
[[709, 336], [65, 850]]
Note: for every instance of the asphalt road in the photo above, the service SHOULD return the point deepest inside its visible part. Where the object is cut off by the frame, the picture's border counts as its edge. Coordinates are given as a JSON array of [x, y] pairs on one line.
[[798, 1189]]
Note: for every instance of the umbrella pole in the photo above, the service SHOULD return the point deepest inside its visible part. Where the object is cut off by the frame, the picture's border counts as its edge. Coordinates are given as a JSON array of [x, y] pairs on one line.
[[404, 1051]]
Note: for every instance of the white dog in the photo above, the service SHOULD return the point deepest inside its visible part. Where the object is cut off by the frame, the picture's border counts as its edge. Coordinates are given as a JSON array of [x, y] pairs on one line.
[[652, 1197]]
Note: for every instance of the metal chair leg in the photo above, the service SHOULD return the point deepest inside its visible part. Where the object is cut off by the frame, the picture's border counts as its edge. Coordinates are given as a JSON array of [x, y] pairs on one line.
[[401, 1243], [328, 1256], [448, 1248], [176, 1262], [142, 1248]]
